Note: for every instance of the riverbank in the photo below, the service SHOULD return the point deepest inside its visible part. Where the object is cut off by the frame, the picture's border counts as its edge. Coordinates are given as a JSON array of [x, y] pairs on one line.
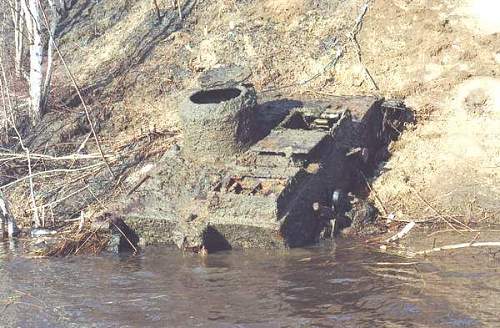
[[440, 56]]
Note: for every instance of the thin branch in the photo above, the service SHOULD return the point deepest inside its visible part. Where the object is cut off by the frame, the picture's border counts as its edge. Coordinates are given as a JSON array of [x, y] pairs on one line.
[[360, 60], [439, 214], [407, 228], [48, 172], [458, 246], [36, 218], [340, 50], [52, 204], [73, 157], [179, 9], [123, 234], [384, 211], [75, 85]]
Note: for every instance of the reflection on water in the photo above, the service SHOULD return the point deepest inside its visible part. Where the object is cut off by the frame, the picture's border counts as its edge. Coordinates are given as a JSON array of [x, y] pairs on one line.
[[345, 285]]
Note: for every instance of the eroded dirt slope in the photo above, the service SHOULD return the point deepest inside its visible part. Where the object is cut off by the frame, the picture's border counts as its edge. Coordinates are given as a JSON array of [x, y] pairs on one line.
[[442, 56]]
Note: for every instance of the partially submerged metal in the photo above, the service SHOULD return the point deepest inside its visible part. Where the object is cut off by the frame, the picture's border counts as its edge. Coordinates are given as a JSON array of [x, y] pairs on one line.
[[251, 175]]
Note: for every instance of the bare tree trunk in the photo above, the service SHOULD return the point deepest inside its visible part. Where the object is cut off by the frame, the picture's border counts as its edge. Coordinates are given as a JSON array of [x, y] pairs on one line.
[[50, 53], [17, 19], [31, 12], [19, 42], [4, 117], [39, 80], [36, 60]]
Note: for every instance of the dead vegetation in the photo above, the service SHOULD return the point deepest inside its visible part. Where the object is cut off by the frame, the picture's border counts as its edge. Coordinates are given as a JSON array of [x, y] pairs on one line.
[[74, 243]]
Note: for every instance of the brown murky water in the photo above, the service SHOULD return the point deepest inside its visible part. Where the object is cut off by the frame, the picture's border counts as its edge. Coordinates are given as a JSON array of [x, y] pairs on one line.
[[345, 285]]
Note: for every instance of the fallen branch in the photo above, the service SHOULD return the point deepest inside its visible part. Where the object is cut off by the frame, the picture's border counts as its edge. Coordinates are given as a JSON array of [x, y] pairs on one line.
[[465, 231], [36, 218], [439, 214], [458, 246], [48, 172], [406, 229], [73, 157]]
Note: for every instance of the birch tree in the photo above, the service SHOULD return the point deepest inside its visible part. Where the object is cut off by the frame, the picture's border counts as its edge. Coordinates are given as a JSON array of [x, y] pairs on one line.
[[38, 23], [32, 13], [52, 26], [18, 24]]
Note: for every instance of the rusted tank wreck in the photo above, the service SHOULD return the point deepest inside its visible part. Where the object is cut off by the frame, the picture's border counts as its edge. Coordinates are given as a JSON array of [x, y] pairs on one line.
[[260, 175]]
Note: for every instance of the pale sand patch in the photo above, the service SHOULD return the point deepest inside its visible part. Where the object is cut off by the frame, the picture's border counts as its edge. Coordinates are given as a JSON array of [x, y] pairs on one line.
[[453, 162], [483, 15]]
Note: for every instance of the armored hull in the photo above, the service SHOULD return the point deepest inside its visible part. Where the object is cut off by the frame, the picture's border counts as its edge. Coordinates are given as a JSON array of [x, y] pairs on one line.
[[261, 187]]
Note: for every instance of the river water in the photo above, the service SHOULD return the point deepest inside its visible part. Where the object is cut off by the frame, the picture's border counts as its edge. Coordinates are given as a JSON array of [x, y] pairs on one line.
[[342, 285]]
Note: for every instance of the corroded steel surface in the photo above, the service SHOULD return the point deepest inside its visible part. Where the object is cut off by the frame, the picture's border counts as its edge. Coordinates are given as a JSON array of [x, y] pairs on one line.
[[290, 141], [265, 196], [358, 106]]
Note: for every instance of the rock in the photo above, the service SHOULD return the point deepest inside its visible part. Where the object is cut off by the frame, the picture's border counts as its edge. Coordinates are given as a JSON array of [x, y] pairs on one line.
[[123, 238], [223, 77]]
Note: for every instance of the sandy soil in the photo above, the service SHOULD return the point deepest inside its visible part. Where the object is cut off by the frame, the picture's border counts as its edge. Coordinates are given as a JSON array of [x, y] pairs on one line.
[[451, 158], [481, 15], [447, 167]]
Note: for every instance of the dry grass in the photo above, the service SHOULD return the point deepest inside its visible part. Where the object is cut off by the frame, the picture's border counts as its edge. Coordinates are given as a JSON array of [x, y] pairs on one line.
[[110, 47], [87, 242]]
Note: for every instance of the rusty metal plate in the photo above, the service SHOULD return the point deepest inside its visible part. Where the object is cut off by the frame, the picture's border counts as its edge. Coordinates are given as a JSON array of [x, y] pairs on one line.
[[359, 106], [290, 142]]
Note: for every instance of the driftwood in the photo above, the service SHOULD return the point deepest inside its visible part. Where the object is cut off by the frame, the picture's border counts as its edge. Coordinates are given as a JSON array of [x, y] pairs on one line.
[[7, 221], [402, 233], [458, 246]]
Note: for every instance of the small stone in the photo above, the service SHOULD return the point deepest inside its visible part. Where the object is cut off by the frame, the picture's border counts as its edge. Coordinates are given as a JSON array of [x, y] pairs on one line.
[[123, 238], [224, 77]]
